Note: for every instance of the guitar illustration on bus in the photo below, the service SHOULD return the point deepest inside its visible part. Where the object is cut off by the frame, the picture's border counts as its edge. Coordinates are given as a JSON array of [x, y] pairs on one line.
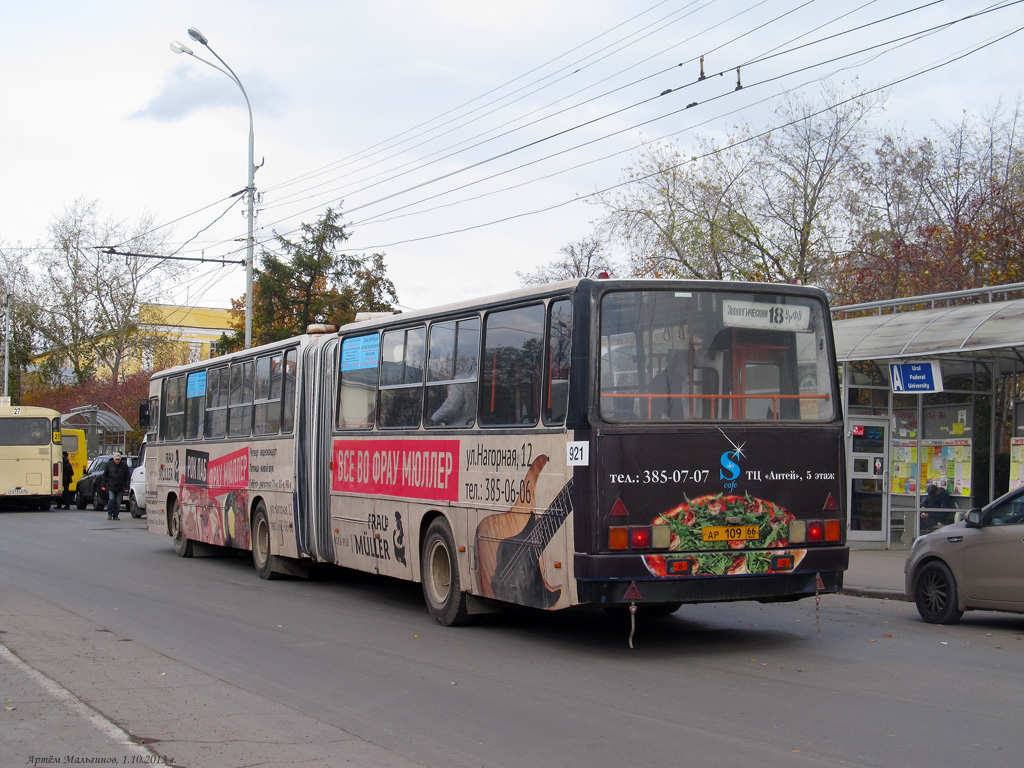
[[510, 545]]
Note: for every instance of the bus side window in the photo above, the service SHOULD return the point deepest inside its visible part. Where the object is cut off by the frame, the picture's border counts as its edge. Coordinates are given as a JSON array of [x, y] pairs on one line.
[[452, 373], [357, 393], [512, 362], [195, 404], [556, 376], [401, 378], [288, 392], [217, 402], [268, 395], [174, 411], [240, 399]]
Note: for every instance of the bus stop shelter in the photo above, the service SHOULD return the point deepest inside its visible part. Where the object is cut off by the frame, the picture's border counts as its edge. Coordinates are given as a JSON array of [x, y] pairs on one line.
[[105, 431], [930, 388]]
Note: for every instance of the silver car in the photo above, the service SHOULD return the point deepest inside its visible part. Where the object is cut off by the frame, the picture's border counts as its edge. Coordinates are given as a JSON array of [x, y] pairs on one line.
[[973, 564]]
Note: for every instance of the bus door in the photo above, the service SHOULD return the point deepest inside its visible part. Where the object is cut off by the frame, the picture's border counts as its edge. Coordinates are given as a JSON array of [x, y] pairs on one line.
[[73, 441], [867, 451]]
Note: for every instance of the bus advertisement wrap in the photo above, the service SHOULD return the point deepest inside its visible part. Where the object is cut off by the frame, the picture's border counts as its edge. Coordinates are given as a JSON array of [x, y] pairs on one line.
[[409, 469]]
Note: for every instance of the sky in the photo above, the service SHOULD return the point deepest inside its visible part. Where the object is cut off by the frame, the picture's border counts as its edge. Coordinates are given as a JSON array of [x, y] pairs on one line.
[[464, 140]]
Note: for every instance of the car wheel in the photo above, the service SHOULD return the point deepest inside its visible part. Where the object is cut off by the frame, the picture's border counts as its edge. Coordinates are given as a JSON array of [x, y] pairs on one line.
[[935, 594], [133, 506], [98, 505], [80, 501]]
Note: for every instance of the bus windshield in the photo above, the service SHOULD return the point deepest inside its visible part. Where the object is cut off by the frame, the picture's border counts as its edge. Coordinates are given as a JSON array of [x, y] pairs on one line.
[[675, 356], [24, 431]]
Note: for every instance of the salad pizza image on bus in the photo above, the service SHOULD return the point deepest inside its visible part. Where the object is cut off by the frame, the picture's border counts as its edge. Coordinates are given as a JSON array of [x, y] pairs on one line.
[[590, 442], [31, 472]]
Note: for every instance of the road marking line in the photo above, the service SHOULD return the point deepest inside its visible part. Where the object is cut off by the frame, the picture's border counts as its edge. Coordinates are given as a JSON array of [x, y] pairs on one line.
[[66, 697]]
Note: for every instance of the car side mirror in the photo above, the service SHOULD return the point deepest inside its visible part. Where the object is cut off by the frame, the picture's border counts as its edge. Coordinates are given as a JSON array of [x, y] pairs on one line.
[[974, 518]]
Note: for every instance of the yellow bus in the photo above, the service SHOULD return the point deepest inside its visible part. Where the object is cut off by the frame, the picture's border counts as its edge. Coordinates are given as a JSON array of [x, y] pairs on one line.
[[30, 456], [75, 444]]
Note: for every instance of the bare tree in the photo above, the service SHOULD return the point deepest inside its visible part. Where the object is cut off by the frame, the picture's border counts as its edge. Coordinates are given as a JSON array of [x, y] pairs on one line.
[[584, 258], [768, 205], [90, 300]]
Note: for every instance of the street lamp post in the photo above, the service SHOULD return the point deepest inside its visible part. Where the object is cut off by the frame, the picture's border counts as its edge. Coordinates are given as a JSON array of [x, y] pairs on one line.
[[250, 187]]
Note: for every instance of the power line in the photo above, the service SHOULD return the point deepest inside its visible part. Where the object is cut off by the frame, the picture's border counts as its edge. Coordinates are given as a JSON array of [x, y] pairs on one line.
[[745, 140]]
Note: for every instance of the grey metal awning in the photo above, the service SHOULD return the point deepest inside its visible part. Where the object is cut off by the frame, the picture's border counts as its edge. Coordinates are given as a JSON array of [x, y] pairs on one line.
[[991, 330], [106, 420]]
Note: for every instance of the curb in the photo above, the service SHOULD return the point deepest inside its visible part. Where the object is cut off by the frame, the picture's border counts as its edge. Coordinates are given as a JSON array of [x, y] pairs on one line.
[[881, 594]]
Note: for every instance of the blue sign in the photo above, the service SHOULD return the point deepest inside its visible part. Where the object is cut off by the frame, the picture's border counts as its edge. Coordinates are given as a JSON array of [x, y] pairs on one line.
[[196, 386], [915, 378]]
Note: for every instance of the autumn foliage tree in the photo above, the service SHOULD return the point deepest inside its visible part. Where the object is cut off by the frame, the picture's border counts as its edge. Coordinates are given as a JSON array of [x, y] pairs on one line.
[[940, 214]]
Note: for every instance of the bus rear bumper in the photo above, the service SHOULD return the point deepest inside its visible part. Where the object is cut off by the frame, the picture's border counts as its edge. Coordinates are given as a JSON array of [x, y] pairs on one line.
[[616, 580]]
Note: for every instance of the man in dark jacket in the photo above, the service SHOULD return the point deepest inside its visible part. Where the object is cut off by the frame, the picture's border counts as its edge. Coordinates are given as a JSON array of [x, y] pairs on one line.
[[68, 472], [115, 481]]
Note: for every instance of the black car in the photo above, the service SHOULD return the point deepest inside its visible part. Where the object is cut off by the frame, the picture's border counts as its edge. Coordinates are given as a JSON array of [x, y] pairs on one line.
[[89, 491]]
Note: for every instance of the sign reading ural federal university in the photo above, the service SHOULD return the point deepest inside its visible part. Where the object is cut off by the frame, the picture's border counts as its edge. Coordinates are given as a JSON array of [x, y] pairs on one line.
[[916, 378]]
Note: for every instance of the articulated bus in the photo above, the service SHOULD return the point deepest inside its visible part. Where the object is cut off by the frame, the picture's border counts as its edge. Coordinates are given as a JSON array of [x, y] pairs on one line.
[[615, 443], [30, 456]]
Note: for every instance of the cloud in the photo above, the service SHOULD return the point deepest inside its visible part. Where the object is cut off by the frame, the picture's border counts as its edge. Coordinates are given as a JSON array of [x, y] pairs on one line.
[[188, 92]]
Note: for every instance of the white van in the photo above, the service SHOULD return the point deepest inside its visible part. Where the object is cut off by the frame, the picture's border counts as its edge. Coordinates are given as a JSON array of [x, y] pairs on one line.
[[137, 494]]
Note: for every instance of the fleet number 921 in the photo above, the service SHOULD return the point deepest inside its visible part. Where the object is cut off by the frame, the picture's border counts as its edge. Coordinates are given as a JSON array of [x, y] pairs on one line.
[[651, 476]]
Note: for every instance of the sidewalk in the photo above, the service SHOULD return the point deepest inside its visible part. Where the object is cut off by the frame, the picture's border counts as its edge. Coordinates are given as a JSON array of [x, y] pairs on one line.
[[876, 573]]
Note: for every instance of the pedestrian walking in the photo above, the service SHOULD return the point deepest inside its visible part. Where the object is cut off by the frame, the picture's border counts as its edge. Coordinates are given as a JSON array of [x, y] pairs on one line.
[[115, 481], [68, 475]]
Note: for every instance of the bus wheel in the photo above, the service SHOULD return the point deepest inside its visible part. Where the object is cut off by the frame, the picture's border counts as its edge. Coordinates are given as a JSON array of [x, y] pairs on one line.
[[439, 570], [261, 543], [182, 545]]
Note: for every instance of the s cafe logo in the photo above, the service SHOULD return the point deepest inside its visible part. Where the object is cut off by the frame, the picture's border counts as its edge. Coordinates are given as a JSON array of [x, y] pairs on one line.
[[730, 471]]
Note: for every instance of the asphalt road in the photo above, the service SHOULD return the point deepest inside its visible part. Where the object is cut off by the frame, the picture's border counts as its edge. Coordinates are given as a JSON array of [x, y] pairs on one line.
[[208, 665]]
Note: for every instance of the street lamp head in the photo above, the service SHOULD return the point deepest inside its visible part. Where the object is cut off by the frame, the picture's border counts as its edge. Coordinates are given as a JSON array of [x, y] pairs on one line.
[[198, 36], [179, 48]]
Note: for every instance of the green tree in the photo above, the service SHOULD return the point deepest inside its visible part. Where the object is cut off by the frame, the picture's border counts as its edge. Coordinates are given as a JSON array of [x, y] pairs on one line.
[[309, 281]]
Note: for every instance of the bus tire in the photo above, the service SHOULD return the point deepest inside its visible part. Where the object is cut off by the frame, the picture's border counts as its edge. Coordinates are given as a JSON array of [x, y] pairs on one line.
[[182, 545], [439, 570], [261, 555]]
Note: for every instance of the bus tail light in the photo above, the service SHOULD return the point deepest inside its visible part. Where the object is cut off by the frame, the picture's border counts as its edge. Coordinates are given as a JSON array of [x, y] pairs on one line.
[[618, 537], [640, 537], [814, 531], [832, 530]]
